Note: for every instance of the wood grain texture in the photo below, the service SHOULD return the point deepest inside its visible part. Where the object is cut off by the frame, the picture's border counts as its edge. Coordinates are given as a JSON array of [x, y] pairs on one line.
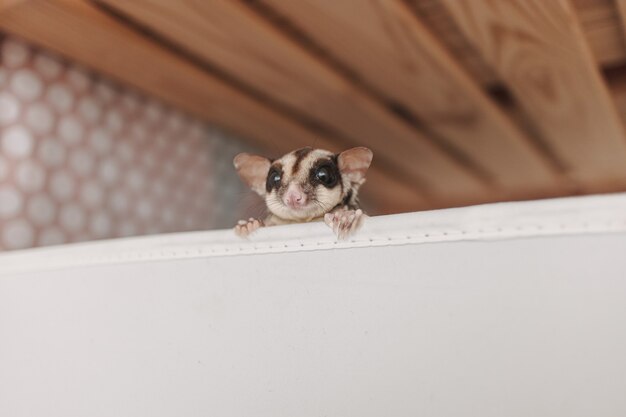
[[7, 4], [602, 28], [538, 49], [388, 47], [621, 11], [599, 20], [232, 37], [83, 33], [618, 92]]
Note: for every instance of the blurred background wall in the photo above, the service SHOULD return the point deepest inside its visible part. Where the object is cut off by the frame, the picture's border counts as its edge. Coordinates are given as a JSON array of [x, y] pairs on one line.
[[82, 158], [462, 102]]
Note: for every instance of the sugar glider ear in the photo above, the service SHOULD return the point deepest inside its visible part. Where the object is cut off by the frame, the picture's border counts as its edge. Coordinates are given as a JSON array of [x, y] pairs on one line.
[[253, 170], [354, 162]]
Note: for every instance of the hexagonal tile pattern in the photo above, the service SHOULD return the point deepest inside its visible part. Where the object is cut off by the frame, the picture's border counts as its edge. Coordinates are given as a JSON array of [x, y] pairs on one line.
[[83, 158]]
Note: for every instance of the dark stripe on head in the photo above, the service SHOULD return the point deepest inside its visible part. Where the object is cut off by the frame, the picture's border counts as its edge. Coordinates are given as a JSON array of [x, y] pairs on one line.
[[299, 154]]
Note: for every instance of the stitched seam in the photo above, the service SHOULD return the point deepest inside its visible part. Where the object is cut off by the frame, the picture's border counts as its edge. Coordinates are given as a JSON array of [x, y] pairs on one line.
[[536, 230]]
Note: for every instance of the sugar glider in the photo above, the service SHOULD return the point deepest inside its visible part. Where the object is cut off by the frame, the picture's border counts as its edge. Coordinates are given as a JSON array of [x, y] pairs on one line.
[[307, 185]]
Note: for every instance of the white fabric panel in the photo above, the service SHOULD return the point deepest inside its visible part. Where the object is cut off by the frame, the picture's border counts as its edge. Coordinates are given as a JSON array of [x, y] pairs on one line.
[[522, 314]]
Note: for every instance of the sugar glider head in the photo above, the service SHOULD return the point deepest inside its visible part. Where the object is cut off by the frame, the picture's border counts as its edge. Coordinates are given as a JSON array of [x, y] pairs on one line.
[[306, 183]]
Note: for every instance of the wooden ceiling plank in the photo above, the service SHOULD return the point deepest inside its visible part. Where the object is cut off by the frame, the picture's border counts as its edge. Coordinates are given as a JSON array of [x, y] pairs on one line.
[[540, 52], [231, 37], [386, 44], [434, 15], [7, 4], [84, 34], [600, 24], [599, 20], [621, 10]]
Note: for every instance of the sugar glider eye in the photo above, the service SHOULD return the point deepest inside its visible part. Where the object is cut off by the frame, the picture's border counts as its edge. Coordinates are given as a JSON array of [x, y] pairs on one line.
[[326, 176], [273, 178]]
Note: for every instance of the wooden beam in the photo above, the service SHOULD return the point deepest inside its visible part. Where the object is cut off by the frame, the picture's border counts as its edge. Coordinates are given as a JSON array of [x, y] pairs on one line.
[[539, 50], [601, 26], [7, 4], [598, 18], [84, 34], [230, 36], [388, 47], [621, 10]]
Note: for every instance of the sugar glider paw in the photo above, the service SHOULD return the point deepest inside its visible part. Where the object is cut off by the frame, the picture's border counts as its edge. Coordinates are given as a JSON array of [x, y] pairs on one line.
[[245, 227], [345, 222]]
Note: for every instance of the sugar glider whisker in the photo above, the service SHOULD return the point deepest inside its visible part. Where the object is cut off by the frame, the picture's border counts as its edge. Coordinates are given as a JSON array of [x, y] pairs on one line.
[[307, 185]]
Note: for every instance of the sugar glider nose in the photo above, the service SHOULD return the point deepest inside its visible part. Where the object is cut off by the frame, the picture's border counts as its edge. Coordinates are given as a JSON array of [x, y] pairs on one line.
[[294, 197]]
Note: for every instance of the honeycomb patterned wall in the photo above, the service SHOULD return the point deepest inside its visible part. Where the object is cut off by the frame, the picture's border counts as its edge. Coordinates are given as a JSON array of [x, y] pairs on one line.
[[82, 158]]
